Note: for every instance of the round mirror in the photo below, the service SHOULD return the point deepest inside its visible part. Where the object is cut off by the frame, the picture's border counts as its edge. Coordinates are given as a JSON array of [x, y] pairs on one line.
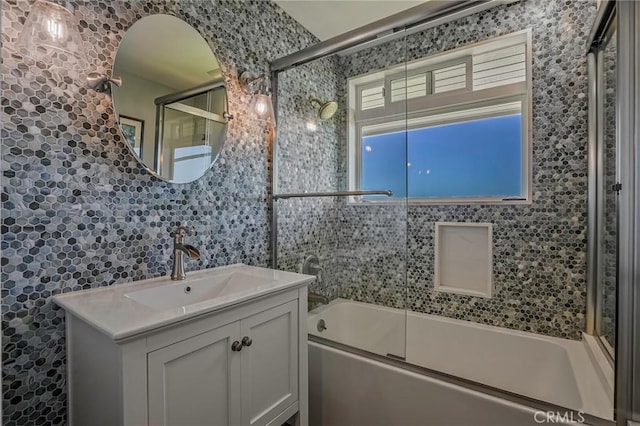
[[172, 104]]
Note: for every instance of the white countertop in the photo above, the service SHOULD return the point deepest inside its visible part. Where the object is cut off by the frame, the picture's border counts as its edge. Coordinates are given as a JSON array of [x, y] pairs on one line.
[[117, 315]]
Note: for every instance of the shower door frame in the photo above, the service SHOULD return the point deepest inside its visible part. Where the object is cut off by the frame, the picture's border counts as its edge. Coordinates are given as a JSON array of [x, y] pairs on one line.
[[606, 24], [628, 330], [626, 16]]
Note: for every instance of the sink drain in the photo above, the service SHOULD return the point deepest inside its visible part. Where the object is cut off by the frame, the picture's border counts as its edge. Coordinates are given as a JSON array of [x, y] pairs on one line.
[[187, 289]]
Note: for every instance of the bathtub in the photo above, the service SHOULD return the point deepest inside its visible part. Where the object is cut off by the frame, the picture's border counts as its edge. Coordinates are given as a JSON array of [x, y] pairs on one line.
[[456, 372]]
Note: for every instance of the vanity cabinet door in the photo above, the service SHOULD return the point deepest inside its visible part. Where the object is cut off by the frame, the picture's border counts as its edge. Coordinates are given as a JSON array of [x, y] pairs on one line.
[[269, 363], [196, 381]]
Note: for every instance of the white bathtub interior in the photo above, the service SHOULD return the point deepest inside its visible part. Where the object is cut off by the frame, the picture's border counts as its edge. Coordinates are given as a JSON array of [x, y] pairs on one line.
[[381, 331], [554, 370]]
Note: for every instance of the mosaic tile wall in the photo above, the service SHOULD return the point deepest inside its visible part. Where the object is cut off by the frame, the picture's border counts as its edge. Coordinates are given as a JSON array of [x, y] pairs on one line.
[[539, 250], [374, 262], [308, 162], [79, 212]]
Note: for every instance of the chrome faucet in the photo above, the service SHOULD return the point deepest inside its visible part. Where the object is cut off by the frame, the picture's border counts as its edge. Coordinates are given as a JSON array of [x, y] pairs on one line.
[[312, 266], [179, 248], [317, 298]]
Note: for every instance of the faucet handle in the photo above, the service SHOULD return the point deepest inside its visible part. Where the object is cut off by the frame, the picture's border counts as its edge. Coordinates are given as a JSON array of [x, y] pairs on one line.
[[182, 230]]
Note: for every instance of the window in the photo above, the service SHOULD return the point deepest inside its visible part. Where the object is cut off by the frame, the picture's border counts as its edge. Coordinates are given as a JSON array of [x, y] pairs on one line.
[[452, 128]]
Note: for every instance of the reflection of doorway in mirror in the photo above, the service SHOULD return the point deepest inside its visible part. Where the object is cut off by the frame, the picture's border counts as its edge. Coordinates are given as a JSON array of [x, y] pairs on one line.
[[133, 129]]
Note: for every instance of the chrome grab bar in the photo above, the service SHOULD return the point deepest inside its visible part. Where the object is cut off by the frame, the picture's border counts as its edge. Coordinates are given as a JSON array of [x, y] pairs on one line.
[[388, 193]]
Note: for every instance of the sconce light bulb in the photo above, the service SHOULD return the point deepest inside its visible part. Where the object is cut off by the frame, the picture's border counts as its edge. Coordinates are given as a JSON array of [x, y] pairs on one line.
[[261, 107], [55, 29], [259, 88]]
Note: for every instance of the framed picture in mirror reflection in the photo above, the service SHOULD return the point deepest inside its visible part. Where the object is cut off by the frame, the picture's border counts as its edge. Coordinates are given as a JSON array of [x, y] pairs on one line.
[[133, 131]]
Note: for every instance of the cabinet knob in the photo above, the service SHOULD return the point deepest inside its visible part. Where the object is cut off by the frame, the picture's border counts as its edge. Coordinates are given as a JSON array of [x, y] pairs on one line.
[[246, 341], [236, 346]]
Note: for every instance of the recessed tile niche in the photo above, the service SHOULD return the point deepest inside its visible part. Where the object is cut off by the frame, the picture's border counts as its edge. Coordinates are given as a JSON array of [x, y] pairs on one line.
[[464, 258]]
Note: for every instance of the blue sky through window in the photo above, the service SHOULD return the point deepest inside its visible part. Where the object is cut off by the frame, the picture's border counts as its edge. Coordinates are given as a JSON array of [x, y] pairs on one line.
[[479, 158]]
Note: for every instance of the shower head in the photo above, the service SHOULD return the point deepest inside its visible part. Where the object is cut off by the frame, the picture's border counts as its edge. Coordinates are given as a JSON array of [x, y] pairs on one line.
[[326, 110]]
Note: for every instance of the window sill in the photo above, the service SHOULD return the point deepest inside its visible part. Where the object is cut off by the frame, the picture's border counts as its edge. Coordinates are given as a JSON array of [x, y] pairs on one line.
[[356, 201]]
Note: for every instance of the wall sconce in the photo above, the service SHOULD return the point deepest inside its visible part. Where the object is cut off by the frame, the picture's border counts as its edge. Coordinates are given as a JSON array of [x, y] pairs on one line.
[[52, 29], [260, 88]]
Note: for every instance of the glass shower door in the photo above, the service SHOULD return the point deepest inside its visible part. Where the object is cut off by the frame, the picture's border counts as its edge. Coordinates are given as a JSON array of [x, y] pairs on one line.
[[373, 248], [372, 256], [354, 244]]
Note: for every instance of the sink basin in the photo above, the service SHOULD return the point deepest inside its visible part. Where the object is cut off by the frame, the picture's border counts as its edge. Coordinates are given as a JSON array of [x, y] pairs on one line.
[[191, 291], [129, 309]]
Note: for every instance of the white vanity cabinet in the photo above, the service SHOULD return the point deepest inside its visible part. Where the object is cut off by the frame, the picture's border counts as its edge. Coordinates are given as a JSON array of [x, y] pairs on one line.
[[204, 381], [242, 364], [196, 381]]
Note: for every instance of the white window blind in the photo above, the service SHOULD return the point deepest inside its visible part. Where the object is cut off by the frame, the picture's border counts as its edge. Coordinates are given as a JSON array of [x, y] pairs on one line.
[[465, 75], [410, 87], [372, 97], [450, 78], [489, 68], [500, 67]]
